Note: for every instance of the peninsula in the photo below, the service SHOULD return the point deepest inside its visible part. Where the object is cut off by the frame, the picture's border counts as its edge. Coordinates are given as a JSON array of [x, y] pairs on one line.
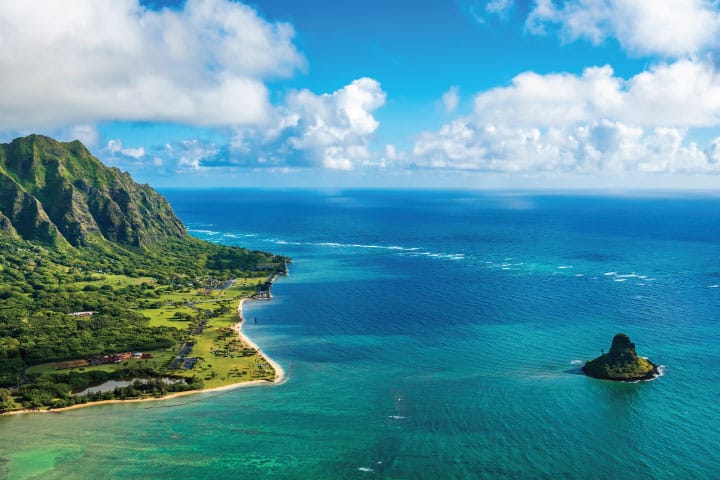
[[105, 296], [621, 363]]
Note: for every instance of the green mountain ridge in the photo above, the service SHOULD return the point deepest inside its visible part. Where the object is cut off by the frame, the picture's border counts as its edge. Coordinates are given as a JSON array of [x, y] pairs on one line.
[[58, 193]]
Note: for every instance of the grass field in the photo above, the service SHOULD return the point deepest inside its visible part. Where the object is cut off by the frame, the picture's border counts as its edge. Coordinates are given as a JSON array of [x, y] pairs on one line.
[[223, 359]]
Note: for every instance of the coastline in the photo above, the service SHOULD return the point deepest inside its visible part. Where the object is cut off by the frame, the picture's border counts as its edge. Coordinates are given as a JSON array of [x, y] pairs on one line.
[[280, 377]]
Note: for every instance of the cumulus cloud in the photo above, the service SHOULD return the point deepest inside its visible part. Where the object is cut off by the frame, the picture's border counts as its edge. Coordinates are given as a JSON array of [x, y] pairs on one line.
[[330, 130], [451, 99], [672, 28], [593, 122], [189, 154], [95, 60], [115, 147], [598, 147], [87, 134], [684, 94]]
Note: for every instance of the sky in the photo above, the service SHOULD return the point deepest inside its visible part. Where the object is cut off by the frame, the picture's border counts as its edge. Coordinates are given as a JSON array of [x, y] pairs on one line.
[[541, 94]]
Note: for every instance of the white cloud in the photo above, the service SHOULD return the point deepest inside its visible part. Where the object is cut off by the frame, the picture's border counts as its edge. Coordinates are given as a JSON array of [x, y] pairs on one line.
[[95, 60], [499, 7], [540, 100], [682, 94], [594, 122], [134, 152], [671, 28], [190, 153], [87, 134], [599, 147], [451, 99], [328, 130], [391, 152], [115, 146], [479, 11]]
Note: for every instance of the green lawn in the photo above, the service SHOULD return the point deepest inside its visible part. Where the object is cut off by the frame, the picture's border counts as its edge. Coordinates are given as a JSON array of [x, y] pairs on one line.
[[223, 358], [163, 317]]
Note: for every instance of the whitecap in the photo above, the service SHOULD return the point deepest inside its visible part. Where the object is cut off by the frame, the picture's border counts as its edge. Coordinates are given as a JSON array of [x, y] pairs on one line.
[[714, 286], [661, 372], [396, 417], [208, 232], [285, 242], [239, 235], [579, 275], [621, 279], [366, 469], [576, 362], [629, 275], [368, 246], [328, 244], [610, 273], [563, 267]]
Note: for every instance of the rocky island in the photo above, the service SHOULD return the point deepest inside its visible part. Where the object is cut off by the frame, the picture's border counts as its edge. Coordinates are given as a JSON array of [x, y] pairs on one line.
[[621, 363]]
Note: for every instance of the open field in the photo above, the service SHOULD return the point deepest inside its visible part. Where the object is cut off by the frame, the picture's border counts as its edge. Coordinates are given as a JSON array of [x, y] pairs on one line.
[[205, 317]]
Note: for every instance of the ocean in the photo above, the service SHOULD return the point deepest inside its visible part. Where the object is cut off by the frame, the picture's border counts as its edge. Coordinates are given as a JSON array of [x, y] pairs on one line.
[[436, 335]]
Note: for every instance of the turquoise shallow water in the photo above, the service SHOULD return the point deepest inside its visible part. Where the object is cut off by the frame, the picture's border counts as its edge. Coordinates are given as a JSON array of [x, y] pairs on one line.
[[436, 335]]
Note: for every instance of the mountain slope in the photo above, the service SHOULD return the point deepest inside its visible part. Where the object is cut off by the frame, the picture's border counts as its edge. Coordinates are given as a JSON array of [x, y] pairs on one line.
[[58, 193]]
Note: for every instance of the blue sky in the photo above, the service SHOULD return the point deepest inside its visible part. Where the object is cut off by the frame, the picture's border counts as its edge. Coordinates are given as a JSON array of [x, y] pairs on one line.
[[452, 94]]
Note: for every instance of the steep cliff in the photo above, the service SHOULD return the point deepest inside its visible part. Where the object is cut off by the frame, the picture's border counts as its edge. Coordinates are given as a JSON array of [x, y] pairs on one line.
[[58, 193]]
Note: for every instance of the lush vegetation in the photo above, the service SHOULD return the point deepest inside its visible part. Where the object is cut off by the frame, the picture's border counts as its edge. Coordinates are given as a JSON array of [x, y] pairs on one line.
[[143, 300], [59, 194], [76, 236]]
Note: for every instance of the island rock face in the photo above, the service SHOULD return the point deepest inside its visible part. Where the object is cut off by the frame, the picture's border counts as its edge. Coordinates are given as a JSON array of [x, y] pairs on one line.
[[621, 363]]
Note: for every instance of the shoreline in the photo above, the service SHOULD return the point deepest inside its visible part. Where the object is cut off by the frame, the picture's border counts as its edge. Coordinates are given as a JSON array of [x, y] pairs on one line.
[[280, 378], [280, 375]]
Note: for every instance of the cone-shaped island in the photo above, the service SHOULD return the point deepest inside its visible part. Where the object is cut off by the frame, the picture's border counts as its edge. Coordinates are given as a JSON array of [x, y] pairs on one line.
[[621, 363]]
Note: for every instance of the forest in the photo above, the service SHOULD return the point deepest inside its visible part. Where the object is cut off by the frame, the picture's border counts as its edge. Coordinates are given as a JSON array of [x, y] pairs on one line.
[[42, 286]]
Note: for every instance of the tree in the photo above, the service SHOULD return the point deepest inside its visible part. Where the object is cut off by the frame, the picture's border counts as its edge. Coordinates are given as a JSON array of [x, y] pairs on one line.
[[6, 401]]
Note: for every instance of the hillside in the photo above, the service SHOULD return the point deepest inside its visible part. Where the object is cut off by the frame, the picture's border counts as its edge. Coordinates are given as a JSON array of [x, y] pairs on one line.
[[58, 193]]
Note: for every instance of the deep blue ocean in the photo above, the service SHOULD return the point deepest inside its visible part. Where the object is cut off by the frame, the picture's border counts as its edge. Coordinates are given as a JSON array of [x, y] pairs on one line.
[[436, 335]]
